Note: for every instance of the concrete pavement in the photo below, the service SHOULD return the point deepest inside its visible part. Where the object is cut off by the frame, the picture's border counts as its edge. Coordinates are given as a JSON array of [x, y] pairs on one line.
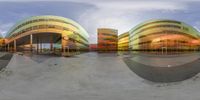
[[89, 76], [5, 59]]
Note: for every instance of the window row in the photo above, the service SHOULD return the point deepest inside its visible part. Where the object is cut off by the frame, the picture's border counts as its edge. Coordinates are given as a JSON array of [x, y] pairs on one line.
[[108, 34], [166, 21], [107, 39], [112, 45], [40, 20], [163, 32], [179, 42], [158, 26], [45, 27]]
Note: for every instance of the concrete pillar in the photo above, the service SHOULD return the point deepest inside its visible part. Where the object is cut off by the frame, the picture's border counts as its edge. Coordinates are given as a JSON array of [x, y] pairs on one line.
[[51, 43], [31, 42], [5, 48], [40, 47], [64, 41], [37, 45], [15, 46], [8, 47]]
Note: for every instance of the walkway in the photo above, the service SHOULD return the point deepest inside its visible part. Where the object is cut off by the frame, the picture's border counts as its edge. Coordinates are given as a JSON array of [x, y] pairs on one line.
[[89, 76], [5, 59]]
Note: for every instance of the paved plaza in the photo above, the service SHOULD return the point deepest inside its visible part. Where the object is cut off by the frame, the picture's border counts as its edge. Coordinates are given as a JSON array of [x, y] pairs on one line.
[[88, 76], [164, 68], [5, 59]]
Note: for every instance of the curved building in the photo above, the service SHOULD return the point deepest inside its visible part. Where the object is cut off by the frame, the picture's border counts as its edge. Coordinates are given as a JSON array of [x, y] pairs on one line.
[[1, 37], [165, 36], [1, 41], [59, 32], [123, 41]]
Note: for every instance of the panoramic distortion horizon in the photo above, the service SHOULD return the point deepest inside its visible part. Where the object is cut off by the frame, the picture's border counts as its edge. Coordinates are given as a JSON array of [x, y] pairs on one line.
[[99, 50]]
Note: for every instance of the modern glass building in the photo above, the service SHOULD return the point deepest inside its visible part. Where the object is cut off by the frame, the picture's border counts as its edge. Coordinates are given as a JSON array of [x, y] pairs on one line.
[[107, 39], [37, 32], [1, 37], [123, 41], [1, 41], [167, 36]]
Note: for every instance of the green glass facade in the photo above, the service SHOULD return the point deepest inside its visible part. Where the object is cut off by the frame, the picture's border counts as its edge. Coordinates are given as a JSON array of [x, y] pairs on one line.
[[163, 35], [1, 41], [50, 24]]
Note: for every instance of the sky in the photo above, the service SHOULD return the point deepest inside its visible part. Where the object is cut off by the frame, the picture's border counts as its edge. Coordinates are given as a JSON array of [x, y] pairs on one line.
[[92, 14]]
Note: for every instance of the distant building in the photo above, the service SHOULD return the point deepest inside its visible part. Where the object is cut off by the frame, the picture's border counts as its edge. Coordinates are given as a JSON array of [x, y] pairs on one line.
[[123, 42], [107, 39], [93, 47], [1, 42]]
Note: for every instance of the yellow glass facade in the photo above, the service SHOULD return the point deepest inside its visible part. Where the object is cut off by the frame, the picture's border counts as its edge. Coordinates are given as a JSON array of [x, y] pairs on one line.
[[164, 35], [1, 41], [123, 42], [71, 33]]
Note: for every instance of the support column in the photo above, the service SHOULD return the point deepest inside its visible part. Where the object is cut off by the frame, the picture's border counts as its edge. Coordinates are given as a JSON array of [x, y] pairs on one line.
[[40, 47], [64, 42], [51, 43], [5, 48], [31, 42], [37, 44], [8, 47], [24, 48], [15, 46]]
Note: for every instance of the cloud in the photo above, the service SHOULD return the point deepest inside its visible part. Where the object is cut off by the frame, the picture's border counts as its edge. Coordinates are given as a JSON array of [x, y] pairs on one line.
[[4, 27], [118, 14], [141, 5], [197, 26], [122, 15], [14, 12]]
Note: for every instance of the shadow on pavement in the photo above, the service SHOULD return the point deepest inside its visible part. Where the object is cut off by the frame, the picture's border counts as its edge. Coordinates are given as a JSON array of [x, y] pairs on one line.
[[164, 74], [4, 60]]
